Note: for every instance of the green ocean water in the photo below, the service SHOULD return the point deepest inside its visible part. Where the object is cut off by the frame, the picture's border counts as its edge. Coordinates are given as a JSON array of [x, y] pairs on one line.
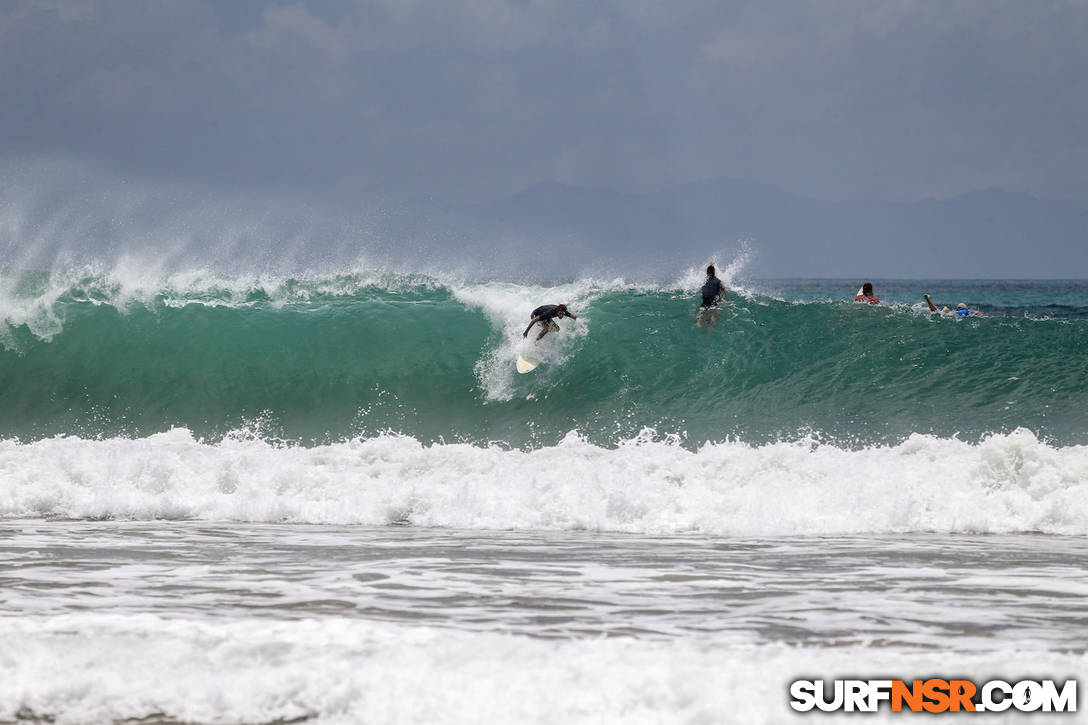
[[322, 360]]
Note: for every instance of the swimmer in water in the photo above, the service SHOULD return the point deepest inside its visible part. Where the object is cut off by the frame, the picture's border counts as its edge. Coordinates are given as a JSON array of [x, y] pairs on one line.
[[713, 292], [867, 295], [961, 309]]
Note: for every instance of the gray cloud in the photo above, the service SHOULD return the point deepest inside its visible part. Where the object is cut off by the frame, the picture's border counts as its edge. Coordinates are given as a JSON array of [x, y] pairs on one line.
[[476, 98]]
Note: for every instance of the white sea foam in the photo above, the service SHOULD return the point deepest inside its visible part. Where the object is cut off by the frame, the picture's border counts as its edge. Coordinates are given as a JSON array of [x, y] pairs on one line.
[[338, 670], [507, 308], [1006, 483]]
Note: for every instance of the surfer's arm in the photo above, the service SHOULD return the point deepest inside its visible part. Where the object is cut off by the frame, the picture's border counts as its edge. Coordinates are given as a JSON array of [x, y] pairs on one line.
[[533, 322], [572, 316], [932, 307]]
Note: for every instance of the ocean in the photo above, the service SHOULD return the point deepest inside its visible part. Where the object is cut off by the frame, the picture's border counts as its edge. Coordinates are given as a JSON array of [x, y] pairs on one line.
[[274, 498]]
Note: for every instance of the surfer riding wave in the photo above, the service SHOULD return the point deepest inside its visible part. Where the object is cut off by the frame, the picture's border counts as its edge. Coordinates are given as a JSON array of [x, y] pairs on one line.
[[545, 315]]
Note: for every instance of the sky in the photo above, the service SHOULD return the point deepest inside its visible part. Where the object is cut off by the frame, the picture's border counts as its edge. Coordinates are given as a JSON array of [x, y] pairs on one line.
[[471, 100]]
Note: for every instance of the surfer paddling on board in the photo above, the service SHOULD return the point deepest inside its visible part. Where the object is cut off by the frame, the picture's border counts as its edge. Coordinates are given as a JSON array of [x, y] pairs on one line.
[[961, 309], [865, 294], [713, 291], [545, 315]]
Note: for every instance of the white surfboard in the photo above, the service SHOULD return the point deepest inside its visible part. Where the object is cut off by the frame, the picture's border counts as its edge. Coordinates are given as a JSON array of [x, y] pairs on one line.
[[527, 364]]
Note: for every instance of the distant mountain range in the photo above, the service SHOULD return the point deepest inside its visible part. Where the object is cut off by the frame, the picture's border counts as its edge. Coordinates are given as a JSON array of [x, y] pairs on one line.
[[983, 234]]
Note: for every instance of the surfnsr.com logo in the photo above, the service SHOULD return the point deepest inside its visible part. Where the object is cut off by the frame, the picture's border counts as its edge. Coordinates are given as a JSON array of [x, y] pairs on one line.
[[933, 695]]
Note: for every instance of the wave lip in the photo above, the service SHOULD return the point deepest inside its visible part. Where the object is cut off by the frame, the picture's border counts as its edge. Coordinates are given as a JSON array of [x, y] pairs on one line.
[[1005, 483]]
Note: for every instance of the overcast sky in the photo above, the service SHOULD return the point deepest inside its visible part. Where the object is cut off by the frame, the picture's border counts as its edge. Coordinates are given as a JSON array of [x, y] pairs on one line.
[[475, 99]]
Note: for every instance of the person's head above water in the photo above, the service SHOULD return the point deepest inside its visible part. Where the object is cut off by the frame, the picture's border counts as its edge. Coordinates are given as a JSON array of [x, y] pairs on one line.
[[961, 306], [710, 271], [867, 289]]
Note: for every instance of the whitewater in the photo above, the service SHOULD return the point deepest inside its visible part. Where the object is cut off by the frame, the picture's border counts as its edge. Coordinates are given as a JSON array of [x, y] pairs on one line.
[[1008, 483], [330, 497]]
